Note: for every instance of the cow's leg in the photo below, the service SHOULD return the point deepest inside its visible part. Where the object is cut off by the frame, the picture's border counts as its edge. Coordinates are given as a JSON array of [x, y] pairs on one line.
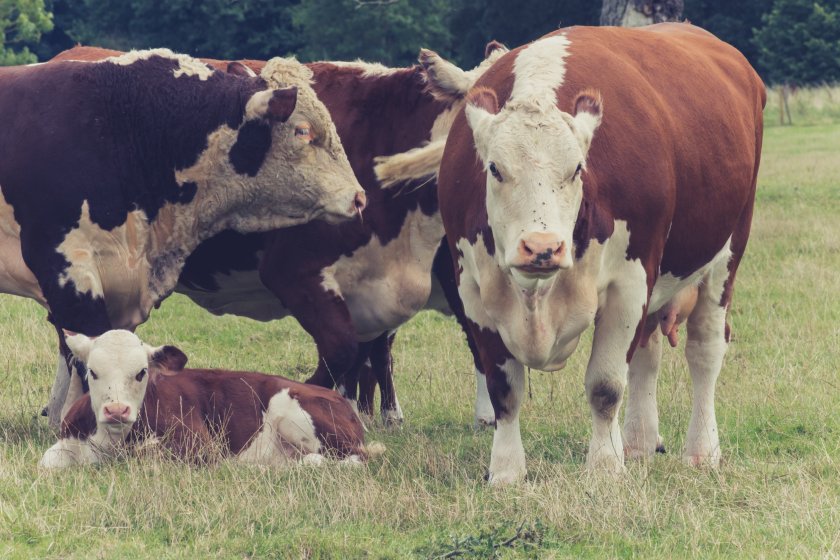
[[641, 419], [484, 415], [616, 331], [59, 392], [367, 388], [506, 385], [704, 350], [382, 364]]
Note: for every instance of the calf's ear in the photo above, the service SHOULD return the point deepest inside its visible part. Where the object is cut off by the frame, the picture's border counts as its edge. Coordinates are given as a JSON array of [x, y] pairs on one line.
[[166, 357], [79, 344]]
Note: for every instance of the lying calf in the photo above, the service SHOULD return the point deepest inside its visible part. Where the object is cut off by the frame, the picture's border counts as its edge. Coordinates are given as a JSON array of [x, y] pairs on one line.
[[137, 391]]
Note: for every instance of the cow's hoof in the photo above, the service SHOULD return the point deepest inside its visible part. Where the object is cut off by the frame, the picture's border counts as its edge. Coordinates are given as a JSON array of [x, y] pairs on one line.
[[506, 478], [392, 418], [606, 462], [711, 460], [483, 422], [636, 452]]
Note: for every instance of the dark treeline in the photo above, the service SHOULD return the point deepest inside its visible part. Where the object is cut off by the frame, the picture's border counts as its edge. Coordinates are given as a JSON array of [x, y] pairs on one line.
[[793, 41]]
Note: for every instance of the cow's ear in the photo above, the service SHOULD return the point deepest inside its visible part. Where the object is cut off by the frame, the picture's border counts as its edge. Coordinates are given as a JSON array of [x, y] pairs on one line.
[[167, 358], [588, 111], [482, 107], [444, 80], [275, 105], [240, 69], [79, 344]]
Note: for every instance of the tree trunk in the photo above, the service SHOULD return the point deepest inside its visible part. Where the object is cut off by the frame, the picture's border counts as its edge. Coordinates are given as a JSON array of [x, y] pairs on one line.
[[635, 13]]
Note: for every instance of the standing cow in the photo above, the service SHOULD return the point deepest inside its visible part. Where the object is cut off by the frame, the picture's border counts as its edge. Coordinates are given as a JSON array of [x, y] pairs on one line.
[[594, 175], [111, 173]]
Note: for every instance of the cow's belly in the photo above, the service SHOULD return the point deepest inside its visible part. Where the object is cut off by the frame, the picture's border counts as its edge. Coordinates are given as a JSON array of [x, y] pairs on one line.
[[240, 293], [540, 327], [386, 285]]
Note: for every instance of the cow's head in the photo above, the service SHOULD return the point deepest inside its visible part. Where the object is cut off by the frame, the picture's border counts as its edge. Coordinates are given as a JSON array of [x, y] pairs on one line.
[[534, 155], [306, 146], [118, 365]]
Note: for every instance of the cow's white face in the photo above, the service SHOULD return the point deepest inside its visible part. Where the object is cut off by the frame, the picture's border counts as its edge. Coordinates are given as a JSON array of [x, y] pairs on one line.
[[118, 373], [534, 156]]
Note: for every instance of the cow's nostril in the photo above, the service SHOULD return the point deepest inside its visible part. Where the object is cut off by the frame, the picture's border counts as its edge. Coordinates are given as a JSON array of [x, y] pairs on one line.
[[359, 201], [525, 249]]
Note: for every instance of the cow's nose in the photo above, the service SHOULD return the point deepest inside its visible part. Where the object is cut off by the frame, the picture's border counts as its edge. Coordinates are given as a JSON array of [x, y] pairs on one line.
[[541, 251], [117, 412], [359, 202]]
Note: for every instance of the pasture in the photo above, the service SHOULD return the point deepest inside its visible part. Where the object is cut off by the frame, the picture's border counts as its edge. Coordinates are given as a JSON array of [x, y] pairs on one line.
[[777, 493]]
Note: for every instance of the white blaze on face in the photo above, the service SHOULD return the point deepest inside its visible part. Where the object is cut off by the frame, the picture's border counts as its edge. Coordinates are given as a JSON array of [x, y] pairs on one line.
[[117, 364], [534, 155]]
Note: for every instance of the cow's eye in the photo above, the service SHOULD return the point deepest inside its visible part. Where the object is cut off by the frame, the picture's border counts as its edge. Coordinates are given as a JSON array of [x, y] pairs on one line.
[[303, 132], [494, 171], [140, 374], [577, 171], [92, 374]]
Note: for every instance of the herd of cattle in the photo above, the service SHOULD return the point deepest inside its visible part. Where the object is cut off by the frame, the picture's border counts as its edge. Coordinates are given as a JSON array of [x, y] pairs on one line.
[[595, 175]]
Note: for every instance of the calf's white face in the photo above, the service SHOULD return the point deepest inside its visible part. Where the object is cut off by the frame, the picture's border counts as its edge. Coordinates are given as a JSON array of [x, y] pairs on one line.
[[534, 155], [118, 366]]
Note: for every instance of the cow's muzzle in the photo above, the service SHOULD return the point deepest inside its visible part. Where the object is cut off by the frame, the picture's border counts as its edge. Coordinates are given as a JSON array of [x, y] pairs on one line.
[[116, 413], [541, 254]]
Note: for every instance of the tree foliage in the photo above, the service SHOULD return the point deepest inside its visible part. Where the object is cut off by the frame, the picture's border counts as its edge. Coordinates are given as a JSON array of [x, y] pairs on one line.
[[799, 42], [387, 31], [213, 28], [476, 22], [21, 23]]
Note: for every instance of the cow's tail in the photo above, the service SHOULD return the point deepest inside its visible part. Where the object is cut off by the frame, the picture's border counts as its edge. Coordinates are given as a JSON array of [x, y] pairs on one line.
[[417, 164]]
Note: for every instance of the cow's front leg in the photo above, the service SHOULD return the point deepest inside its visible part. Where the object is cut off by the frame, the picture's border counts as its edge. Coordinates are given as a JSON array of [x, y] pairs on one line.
[[314, 299], [68, 452], [506, 384], [616, 327]]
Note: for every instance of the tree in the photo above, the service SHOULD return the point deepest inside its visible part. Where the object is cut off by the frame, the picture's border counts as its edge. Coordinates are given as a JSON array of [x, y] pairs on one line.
[[21, 23], [476, 22], [387, 31], [635, 13], [212, 28], [799, 42], [732, 22]]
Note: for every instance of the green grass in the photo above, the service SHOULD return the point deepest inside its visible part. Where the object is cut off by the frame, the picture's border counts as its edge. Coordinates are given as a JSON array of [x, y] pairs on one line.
[[776, 495]]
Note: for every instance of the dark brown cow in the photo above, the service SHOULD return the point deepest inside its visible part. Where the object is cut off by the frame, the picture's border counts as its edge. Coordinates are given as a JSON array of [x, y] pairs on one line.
[[594, 175], [137, 392], [348, 286]]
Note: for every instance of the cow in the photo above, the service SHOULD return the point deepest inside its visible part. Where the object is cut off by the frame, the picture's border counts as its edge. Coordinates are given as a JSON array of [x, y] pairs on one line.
[[113, 172], [140, 393], [594, 175], [350, 286]]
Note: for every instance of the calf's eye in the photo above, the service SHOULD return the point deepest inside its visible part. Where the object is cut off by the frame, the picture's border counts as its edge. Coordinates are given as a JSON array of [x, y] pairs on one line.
[[304, 133], [92, 374], [140, 374]]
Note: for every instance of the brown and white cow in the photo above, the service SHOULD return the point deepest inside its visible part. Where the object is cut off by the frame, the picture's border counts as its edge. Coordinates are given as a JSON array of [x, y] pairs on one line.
[[351, 285], [139, 392], [594, 175]]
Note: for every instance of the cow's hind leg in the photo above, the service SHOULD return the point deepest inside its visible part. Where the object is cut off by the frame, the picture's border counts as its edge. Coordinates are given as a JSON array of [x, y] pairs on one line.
[[641, 419], [704, 350], [382, 365]]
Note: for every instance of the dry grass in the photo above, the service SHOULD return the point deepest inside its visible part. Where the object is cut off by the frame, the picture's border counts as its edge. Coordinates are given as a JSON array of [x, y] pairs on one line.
[[777, 494]]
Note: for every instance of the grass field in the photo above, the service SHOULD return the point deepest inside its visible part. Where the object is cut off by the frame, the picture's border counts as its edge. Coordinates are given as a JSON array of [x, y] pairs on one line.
[[776, 495]]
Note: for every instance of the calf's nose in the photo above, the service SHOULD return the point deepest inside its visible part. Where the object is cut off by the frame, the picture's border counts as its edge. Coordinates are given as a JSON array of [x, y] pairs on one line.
[[359, 202], [117, 412]]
